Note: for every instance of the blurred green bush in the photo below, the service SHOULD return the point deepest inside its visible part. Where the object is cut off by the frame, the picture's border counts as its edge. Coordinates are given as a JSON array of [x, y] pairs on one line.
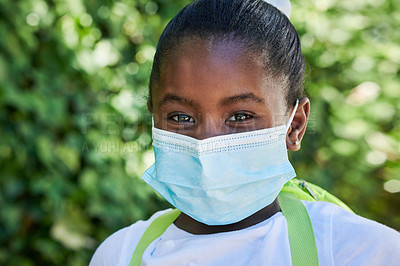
[[75, 131]]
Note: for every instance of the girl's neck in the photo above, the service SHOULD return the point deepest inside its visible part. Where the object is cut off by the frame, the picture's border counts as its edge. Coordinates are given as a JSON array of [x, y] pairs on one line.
[[192, 226]]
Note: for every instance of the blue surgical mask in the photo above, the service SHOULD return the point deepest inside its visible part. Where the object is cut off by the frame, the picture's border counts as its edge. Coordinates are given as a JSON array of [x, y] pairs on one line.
[[223, 179]]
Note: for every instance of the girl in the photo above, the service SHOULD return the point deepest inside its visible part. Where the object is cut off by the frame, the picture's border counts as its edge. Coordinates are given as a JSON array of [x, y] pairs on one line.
[[226, 94]]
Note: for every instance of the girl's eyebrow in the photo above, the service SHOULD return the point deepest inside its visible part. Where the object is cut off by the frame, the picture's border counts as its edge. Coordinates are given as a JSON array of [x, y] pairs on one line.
[[173, 98], [244, 97]]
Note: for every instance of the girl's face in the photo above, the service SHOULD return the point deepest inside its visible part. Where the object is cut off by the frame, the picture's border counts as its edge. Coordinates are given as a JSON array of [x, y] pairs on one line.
[[205, 92]]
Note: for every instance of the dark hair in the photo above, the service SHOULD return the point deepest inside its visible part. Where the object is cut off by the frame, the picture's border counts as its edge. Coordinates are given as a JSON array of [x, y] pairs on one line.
[[259, 27]]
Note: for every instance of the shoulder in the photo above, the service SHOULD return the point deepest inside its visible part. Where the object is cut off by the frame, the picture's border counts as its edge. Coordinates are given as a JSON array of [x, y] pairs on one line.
[[117, 249], [352, 239]]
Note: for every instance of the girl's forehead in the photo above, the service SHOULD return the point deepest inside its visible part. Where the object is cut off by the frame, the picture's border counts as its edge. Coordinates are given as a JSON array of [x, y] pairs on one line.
[[209, 71]]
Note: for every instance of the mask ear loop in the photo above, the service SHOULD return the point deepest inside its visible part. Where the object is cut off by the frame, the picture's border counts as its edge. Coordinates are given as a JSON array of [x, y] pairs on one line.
[[292, 115]]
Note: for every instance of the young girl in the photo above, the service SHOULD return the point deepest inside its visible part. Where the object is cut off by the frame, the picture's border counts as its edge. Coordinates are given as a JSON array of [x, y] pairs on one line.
[[227, 101]]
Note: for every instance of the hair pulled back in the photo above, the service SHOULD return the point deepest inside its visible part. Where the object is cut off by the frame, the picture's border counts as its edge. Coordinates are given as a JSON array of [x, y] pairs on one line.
[[260, 28]]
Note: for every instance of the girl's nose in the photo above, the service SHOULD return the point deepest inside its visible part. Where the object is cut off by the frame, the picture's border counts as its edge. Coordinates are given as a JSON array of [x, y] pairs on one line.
[[209, 127]]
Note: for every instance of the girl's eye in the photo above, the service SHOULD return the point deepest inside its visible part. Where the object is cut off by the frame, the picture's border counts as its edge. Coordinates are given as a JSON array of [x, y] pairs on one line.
[[240, 117], [182, 118]]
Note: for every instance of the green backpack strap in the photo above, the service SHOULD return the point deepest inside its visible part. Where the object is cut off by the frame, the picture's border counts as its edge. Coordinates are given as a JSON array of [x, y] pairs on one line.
[[155, 230], [310, 192], [301, 235], [303, 247]]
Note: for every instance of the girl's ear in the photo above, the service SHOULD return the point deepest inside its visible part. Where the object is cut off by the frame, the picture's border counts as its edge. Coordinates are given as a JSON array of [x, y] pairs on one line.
[[298, 126], [149, 106]]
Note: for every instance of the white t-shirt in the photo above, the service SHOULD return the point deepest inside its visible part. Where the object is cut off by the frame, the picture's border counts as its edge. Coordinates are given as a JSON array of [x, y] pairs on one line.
[[342, 238]]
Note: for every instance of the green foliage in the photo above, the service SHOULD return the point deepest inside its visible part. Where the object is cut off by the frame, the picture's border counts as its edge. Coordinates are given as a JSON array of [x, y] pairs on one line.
[[352, 146], [75, 132]]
